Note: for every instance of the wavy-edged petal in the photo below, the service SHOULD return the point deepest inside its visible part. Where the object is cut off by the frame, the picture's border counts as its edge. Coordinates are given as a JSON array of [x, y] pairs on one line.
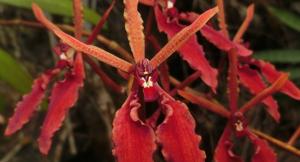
[[191, 50], [94, 51], [134, 28], [216, 37], [271, 74], [181, 37], [177, 134], [63, 96], [223, 152], [134, 140], [254, 83], [29, 103], [262, 151], [223, 43]]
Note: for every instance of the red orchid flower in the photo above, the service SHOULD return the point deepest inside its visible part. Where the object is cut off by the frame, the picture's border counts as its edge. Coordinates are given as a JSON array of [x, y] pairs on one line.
[[167, 18], [237, 124], [135, 133], [250, 77], [63, 95]]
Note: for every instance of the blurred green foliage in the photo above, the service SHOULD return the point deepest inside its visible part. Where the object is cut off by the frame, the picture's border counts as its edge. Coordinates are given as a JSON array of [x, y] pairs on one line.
[[13, 73], [291, 56], [286, 17], [61, 7]]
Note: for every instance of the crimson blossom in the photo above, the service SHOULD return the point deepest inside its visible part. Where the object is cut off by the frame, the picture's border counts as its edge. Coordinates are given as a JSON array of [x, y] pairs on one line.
[[135, 133]]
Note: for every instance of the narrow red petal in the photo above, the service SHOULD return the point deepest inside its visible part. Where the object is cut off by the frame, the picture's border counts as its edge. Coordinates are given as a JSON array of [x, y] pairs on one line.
[[215, 37], [134, 140], [63, 96], [253, 81], [271, 74], [94, 51], [29, 103], [181, 37], [263, 152], [223, 152], [223, 43], [191, 51], [177, 134], [134, 28]]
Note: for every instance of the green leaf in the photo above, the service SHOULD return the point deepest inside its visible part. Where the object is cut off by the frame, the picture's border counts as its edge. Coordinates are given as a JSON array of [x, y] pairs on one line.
[[286, 17], [13, 73], [294, 72], [61, 7], [291, 56]]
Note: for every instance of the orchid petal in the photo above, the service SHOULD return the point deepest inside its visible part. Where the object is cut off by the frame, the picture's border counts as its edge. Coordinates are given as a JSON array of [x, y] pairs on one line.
[[133, 139], [94, 51], [134, 28], [223, 152], [29, 103], [263, 152], [177, 134], [181, 37], [223, 43], [271, 74], [254, 83], [191, 50], [63, 96]]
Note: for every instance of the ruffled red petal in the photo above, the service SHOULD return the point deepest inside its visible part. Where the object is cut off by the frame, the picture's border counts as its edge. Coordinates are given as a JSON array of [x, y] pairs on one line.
[[177, 134], [263, 152], [271, 74], [191, 51], [134, 140], [253, 81], [29, 103], [63, 96], [223, 152], [221, 42]]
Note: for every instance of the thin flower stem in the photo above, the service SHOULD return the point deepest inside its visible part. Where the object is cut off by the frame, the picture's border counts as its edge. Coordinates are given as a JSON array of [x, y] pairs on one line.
[[222, 18], [276, 86], [277, 142], [104, 77], [245, 24], [233, 89], [294, 137], [176, 82], [149, 23], [100, 24], [67, 28], [196, 93], [186, 82], [205, 103]]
